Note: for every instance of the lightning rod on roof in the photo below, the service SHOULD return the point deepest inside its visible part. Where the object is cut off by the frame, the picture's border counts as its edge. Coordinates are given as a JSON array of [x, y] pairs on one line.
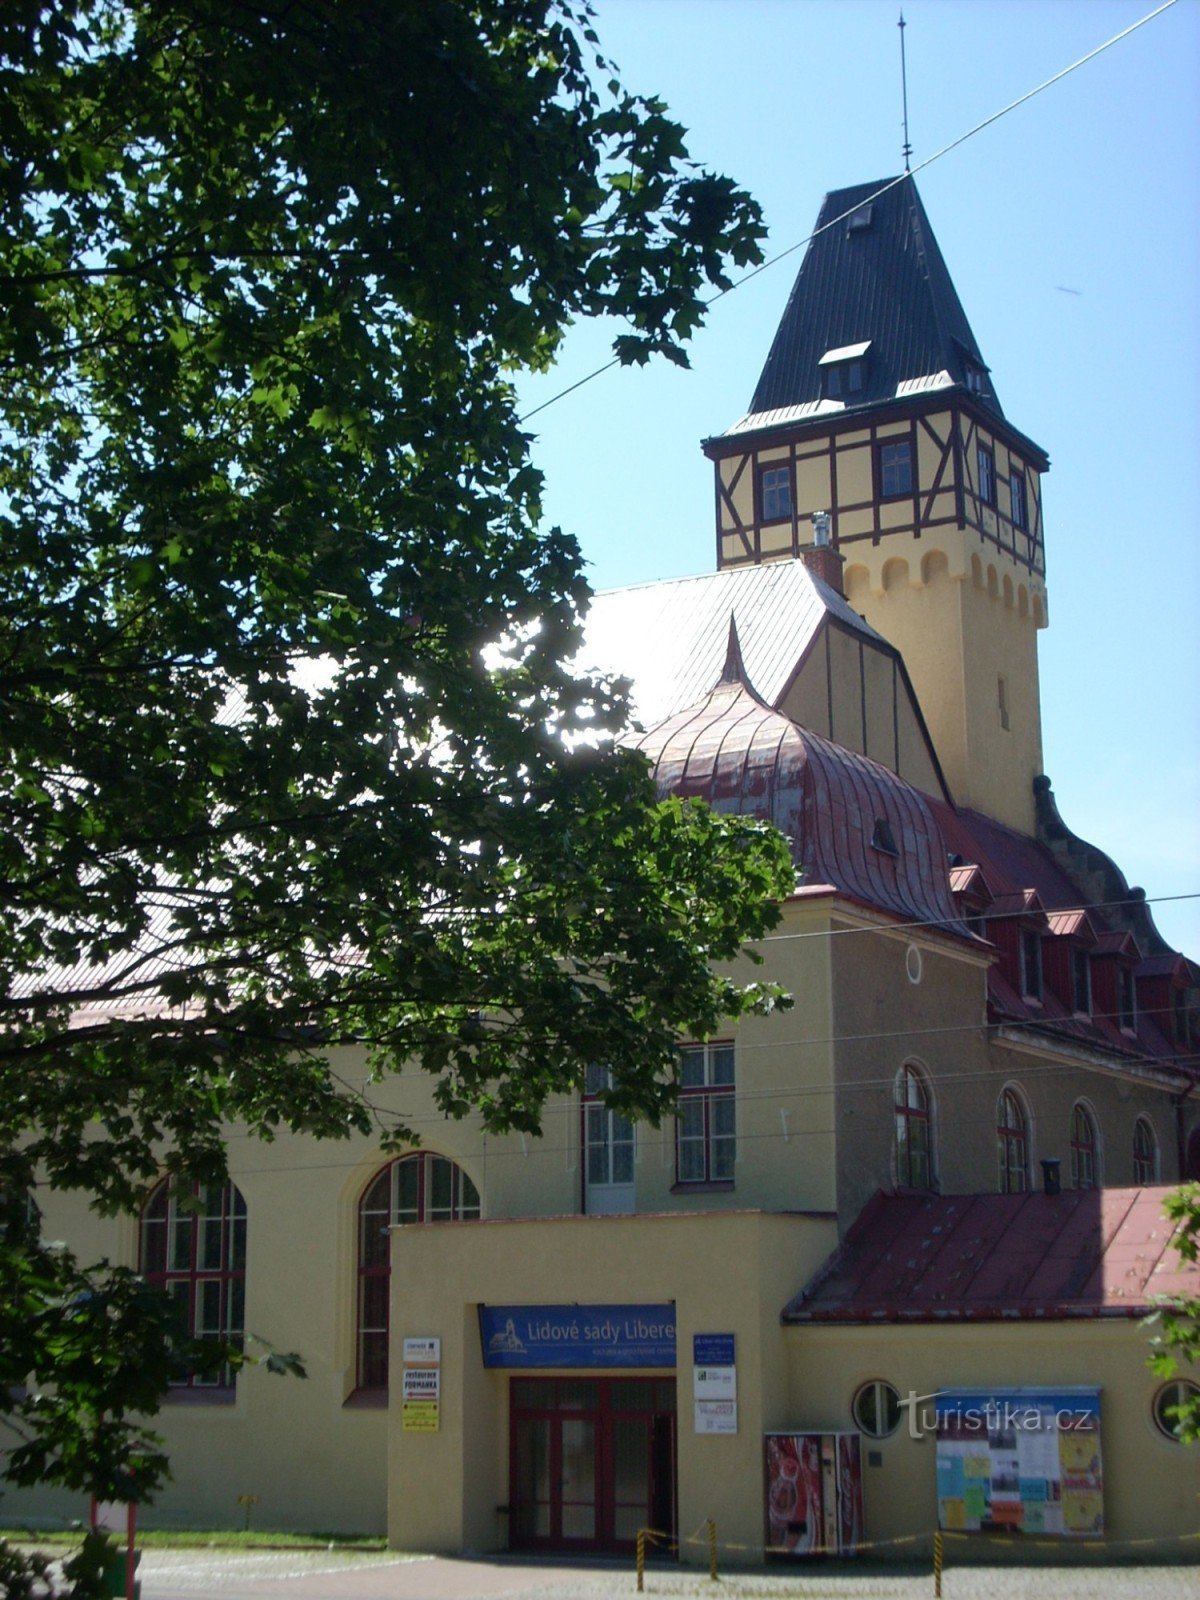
[[907, 152]]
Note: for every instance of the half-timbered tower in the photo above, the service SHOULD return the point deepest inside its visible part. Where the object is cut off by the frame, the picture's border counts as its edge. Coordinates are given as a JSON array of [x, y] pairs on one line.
[[876, 407]]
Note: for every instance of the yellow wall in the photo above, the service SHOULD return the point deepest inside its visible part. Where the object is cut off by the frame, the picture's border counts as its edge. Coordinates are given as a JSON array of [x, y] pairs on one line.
[[724, 1272], [1151, 1486]]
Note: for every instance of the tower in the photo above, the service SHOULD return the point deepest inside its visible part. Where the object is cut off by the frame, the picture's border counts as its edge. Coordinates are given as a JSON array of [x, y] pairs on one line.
[[876, 406]]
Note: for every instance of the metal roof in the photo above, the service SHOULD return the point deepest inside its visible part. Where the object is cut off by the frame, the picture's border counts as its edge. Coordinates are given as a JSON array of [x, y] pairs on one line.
[[669, 638], [735, 752], [883, 282], [993, 1257]]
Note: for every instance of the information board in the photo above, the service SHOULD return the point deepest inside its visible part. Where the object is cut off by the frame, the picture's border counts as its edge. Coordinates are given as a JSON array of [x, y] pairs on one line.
[[1020, 1461], [578, 1336]]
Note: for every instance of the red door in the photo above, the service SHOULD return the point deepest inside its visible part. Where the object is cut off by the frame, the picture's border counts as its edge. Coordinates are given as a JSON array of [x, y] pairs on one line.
[[592, 1460]]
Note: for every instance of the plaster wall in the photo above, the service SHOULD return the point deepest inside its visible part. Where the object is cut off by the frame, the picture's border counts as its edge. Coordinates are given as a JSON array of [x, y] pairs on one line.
[[727, 1272], [1151, 1485]]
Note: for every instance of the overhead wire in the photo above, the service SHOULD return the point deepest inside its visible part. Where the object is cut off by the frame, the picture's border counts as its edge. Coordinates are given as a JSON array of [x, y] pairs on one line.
[[904, 177]]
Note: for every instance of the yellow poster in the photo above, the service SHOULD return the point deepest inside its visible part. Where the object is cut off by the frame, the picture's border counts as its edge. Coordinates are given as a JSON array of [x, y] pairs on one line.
[[419, 1416]]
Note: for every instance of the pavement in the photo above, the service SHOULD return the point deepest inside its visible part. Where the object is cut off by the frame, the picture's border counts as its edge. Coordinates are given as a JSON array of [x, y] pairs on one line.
[[344, 1575]]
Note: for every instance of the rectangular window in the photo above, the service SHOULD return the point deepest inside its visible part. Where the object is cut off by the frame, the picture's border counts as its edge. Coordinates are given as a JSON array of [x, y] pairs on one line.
[[608, 1149], [774, 494], [986, 465], [706, 1121], [843, 378], [895, 468], [1016, 491], [1126, 999], [1031, 966], [1081, 983]]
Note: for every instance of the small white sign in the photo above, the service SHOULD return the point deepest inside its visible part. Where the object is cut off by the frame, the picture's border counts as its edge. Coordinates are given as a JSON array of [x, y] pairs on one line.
[[716, 1416], [714, 1383], [422, 1383], [422, 1350]]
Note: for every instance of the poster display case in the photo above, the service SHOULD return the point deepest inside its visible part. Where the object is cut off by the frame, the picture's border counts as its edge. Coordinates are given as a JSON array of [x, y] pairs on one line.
[[1020, 1461]]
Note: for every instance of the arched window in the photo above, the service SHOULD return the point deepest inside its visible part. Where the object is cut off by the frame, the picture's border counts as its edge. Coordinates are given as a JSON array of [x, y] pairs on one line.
[[1145, 1152], [1085, 1164], [1012, 1143], [417, 1188], [193, 1246], [914, 1130]]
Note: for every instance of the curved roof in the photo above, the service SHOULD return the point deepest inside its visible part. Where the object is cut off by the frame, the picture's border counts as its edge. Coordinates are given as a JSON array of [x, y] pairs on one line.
[[853, 825]]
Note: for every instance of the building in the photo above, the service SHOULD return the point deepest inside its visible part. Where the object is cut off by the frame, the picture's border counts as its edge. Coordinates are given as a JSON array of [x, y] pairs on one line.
[[938, 1177]]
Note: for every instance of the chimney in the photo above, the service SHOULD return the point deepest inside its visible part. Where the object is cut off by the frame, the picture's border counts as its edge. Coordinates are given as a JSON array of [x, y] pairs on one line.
[[821, 559], [1051, 1177]]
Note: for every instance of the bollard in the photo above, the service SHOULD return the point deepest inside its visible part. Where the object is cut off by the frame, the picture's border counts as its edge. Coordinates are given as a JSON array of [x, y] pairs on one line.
[[937, 1565], [641, 1560], [712, 1549]]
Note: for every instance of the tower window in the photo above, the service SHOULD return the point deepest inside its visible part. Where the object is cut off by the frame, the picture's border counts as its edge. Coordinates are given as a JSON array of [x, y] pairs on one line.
[[986, 466], [774, 493], [976, 378], [1002, 698], [1020, 508], [895, 468]]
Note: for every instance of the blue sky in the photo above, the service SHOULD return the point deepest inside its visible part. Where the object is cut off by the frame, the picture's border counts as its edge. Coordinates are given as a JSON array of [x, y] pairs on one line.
[[1071, 230]]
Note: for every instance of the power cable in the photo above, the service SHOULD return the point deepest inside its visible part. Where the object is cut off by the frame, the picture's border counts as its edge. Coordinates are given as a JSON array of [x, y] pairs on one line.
[[884, 189]]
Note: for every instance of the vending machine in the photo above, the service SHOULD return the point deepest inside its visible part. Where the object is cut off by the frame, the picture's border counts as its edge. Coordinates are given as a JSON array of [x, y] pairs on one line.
[[814, 1494]]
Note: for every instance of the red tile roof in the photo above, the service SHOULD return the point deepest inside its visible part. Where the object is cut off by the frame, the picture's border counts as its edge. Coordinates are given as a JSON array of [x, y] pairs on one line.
[[996, 1257]]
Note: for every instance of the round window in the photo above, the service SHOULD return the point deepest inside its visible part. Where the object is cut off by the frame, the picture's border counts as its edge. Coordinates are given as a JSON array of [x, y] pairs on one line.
[[912, 963], [1166, 1406], [876, 1409]]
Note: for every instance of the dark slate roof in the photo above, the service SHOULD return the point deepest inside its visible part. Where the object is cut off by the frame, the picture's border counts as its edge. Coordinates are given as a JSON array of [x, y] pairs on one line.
[[993, 1257], [740, 755], [876, 275]]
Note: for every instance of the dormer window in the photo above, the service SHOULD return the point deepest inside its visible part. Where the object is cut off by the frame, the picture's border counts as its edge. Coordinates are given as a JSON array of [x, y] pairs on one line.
[[1081, 983], [975, 377], [1126, 999], [883, 838], [844, 371], [1031, 965]]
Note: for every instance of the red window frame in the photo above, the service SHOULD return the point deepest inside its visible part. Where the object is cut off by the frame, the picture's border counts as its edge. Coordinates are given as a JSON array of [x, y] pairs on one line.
[[706, 1117], [194, 1250], [424, 1187], [1145, 1152], [1084, 1148], [1012, 1142], [914, 1130]]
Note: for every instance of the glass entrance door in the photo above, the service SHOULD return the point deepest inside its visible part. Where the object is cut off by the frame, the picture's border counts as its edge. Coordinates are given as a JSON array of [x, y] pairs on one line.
[[591, 1461]]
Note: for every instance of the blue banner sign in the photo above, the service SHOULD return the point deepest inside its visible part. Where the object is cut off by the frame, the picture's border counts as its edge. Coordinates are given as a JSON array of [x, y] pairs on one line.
[[578, 1336], [712, 1349]]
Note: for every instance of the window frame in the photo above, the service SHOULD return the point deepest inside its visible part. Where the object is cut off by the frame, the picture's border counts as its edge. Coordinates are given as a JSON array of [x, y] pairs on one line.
[[772, 469], [712, 1102], [908, 1119], [985, 472], [374, 1267], [842, 379], [1172, 1393], [196, 1278], [1080, 969], [1146, 1169], [888, 470], [1013, 1139], [1030, 956], [618, 1131], [1018, 498], [1126, 998], [1084, 1145], [885, 1398]]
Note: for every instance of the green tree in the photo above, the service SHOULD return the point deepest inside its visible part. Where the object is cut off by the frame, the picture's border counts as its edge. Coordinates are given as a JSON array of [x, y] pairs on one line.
[[295, 754], [1177, 1343]]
